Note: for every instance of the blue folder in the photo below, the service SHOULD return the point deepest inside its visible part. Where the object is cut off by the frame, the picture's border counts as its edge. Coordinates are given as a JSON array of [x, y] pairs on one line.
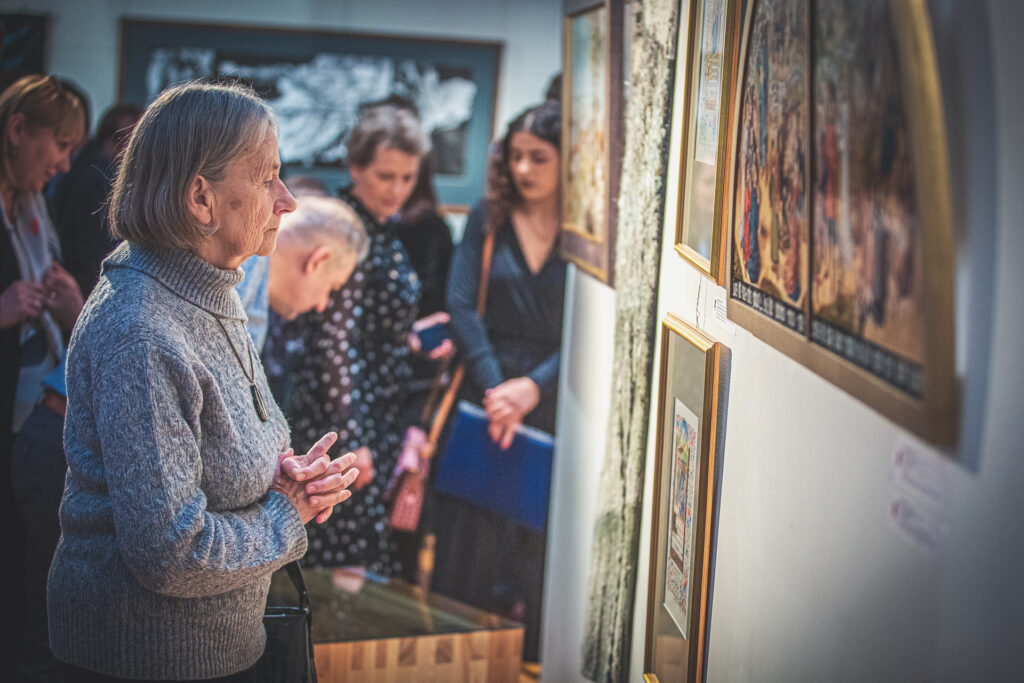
[[512, 483]]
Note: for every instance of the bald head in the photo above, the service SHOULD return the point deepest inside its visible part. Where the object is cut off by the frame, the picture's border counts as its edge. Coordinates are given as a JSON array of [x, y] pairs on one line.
[[318, 247]]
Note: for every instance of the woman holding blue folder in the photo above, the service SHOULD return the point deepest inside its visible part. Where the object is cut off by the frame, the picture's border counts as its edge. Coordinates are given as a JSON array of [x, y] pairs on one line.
[[511, 356]]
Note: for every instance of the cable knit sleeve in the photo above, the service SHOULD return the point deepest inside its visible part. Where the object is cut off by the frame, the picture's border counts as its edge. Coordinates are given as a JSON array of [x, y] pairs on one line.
[[148, 404]]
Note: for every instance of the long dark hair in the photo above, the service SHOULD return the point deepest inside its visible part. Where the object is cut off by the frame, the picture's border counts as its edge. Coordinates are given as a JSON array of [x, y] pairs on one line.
[[501, 195]]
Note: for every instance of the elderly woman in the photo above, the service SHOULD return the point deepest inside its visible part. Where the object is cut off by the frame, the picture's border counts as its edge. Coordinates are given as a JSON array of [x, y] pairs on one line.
[[181, 498], [352, 365]]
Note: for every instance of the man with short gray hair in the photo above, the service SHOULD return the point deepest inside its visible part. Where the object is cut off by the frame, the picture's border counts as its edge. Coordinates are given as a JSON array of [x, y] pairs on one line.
[[318, 247]]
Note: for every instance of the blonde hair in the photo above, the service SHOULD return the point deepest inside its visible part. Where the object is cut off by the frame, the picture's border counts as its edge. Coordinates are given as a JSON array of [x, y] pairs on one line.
[[45, 103], [193, 129]]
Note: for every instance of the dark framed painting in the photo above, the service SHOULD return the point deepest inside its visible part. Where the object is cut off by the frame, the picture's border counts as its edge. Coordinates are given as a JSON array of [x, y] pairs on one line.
[[711, 50], [691, 428], [316, 81], [841, 224], [592, 133], [23, 48]]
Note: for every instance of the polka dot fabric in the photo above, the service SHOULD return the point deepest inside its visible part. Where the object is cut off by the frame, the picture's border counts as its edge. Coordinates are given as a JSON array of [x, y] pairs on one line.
[[346, 370]]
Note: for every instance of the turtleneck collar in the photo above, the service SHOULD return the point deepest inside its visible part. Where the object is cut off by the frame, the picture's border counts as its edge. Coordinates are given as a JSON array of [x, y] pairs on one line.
[[188, 276]]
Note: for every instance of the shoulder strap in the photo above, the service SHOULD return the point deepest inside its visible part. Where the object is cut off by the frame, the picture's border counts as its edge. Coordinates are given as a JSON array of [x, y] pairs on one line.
[[485, 272]]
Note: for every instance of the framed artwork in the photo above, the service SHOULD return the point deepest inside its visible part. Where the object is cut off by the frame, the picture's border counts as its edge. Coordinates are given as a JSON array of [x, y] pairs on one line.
[[23, 48], [712, 46], [691, 413], [316, 81], [841, 224], [592, 133]]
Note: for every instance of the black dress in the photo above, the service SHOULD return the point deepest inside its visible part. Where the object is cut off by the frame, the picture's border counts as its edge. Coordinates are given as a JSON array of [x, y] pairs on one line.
[[78, 214], [428, 242], [483, 559], [346, 370]]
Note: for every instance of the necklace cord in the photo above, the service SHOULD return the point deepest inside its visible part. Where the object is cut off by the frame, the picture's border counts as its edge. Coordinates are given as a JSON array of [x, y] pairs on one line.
[[251, 375]]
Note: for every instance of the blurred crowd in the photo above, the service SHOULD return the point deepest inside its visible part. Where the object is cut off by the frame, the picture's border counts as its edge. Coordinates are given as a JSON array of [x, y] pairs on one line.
[[119, 250]]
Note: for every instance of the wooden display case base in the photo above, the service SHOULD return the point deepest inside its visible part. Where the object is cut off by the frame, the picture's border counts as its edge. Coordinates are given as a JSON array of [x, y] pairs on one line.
[[367, 629], [491, 656]]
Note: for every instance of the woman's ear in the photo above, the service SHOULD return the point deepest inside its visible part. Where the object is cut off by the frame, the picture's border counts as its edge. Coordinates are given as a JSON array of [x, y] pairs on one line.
[[355, 173], [316, 260], [16, 129], [200, 200]]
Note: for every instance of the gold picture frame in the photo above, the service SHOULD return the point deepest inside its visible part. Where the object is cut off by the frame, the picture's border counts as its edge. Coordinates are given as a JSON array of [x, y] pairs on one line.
[[691, 420], [592, 133], [849, 270], [711, 47]]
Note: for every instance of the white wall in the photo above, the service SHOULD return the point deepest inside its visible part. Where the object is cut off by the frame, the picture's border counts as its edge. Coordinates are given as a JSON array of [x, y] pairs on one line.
[[85, 43], [813, 581], [582, 429]]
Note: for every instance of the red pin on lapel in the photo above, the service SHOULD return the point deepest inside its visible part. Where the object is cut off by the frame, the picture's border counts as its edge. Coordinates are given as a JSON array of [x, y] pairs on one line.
[[34, 225]]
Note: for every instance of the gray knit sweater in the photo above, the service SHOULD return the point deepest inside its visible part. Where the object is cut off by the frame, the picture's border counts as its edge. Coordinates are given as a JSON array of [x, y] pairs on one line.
[[168, 533]]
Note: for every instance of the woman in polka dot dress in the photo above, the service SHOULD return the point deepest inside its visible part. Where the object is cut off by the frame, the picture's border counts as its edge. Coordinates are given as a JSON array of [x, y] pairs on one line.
[[346, 368]]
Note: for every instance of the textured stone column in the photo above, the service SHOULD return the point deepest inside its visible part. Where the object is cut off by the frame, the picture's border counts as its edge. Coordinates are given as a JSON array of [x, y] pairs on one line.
[[609, 625]]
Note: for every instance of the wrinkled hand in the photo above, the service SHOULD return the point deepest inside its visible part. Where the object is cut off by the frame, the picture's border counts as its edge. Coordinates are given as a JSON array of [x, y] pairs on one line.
[[21, 301], [444, 350], [364, 461], [63, 296], [313, 482]]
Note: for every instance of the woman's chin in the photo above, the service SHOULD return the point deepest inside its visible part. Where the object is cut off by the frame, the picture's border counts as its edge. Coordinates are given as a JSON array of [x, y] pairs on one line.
[[269, 243]]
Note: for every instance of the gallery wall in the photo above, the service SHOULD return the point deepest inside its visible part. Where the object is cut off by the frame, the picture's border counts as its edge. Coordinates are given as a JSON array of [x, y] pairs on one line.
[[84, 33], [814, 579]]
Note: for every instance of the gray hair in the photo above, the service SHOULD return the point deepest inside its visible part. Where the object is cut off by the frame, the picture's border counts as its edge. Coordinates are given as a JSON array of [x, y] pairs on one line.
[[386, 126], [192, 129], [320, 219]]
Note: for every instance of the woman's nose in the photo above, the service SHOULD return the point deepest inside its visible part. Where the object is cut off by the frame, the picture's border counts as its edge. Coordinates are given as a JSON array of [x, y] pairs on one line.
[[285, 202]]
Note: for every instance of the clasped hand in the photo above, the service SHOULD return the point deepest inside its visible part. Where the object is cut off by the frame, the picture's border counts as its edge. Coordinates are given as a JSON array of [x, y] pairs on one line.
[[507, 405], [58, 293], [313, 482]]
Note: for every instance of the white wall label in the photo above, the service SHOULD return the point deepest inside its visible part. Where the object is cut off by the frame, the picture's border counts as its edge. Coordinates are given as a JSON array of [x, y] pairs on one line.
[[714, 310], [919, 500]]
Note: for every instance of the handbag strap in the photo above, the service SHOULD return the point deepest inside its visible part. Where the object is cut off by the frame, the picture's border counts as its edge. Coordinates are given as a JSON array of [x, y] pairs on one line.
[[441, 416], [295, 574], [485, 272]]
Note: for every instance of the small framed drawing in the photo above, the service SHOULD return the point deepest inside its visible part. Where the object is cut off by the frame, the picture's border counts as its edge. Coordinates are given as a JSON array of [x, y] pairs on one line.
[[691, 412], [592, 133], [711, 48], [841, 222]]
